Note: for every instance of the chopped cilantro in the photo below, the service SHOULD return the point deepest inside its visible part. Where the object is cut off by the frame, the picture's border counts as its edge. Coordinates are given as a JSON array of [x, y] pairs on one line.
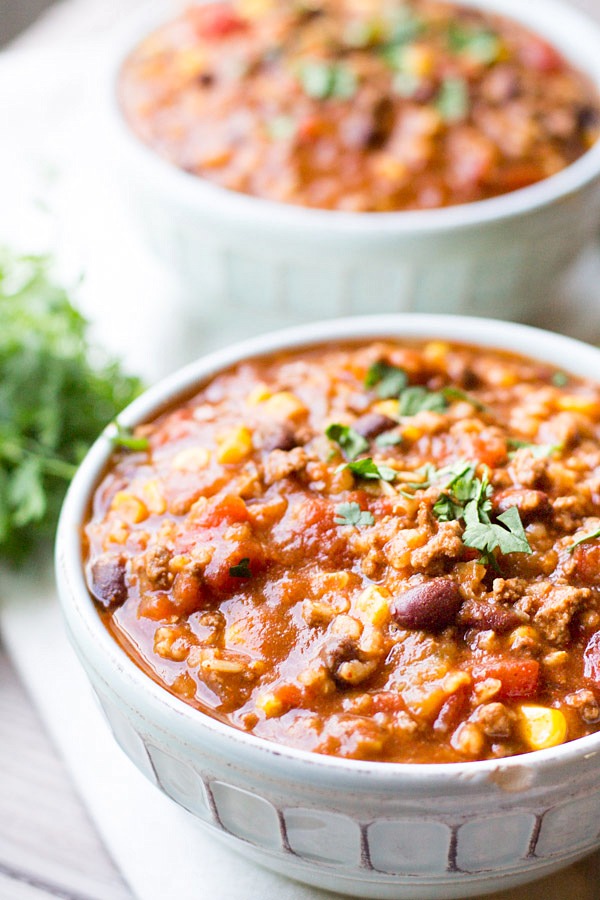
[[559, 379], [538, 451], [453, 99], [480, 44], [582, 540], [281, 128], [352, 514], [388, 439], [388, 380], [242, 569], [324, 80], [414, 400], [507, 534], [454, 393], [367, 468], [126, 439], [350, 441]]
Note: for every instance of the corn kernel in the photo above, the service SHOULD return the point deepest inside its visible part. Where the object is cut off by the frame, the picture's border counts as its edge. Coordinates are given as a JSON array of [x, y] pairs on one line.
[[387, 408], [285, 405], [588, 406], [235, 446], [270, 704], [542, 726], [130, 508], [373, 605], [435, 352], [412, 432], [388, 167], [258, 395], [418, 60], [153, 497], [253, 9], [191, 459]]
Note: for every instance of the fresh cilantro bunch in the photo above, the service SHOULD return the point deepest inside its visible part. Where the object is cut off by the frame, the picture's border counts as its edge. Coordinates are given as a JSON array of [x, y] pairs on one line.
[[56, 395]]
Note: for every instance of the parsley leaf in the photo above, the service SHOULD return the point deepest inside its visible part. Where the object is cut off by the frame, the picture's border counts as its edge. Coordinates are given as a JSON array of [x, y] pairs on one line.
[[367, 468], [350, 441], [414, 400], [389, 380], [53, 400], [352, 514], [582, 540], [126, 439], [507, 534], [324, 80], [242, 569]]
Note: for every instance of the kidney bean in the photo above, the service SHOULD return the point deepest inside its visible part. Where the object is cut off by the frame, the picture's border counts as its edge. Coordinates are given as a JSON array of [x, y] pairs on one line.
[[531, 504], [280, 438], [107, 578], [490, 616], [371, 425], [430, 606]]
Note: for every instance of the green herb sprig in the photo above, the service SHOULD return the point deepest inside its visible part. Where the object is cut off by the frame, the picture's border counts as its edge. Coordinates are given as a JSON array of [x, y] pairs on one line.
[[582, 540], [350, 441], [352, 514], [367, 468], [241, 569]]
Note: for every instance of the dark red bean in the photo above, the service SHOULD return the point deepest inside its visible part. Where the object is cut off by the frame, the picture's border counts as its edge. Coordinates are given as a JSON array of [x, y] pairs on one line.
[[430, 606], [489, 616], [107, 579], [531, 504], [280, 438], [371, 425]]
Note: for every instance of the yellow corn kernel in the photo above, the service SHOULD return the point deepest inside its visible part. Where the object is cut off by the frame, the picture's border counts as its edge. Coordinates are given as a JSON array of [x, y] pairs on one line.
[[387, 166], [418, 60], [191, 459], [190, 63], [436, 352], [253, 9], [541, 726], [258, 395], [178, 563], [153, 497], [270, 704], [588, 406], [130, 508], [387, 408], [454, 681], [285, 405], [235, 446], [412, 432], [374, 606]]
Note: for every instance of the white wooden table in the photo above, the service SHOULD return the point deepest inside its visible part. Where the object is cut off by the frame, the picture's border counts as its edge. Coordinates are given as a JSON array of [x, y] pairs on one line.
[[48, 846]]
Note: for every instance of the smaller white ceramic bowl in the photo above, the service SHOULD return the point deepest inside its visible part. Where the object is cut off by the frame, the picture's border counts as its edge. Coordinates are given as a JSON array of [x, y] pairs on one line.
[[286, 263], [381, 830]]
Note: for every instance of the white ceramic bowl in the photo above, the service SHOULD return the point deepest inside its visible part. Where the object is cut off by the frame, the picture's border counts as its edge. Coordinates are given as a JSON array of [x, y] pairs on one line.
[[369, 829], [283, 263]]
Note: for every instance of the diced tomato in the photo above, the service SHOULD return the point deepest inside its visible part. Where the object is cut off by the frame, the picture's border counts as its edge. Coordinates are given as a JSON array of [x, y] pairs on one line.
[[228, 555], [591, 659], [216, 20], [388, 702], [158, 607], [310, 127], [491, 450], [537, 54], [226, 511], [190, 594], [587, 562], [519, 677]]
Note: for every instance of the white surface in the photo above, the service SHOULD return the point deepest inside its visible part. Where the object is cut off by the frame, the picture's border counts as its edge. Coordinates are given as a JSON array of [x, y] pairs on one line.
[[42, 96]]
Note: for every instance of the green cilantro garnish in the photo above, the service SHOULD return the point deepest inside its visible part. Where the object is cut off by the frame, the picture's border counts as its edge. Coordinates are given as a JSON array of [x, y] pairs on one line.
[[367, 468], [559, 379], [538, 451], [480, 44], [582, 540], [352, 514], [507, 534], [281, 128], [350, 441], [454, 393], [414, 400], [242, 569], [325, 81], [53, 400], [388, 380], [388, 439], [453, 99], [126, 439]]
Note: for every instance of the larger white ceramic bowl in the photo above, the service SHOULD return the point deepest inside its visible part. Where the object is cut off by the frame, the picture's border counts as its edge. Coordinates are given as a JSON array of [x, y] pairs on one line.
[[369, 829], [286, 263]]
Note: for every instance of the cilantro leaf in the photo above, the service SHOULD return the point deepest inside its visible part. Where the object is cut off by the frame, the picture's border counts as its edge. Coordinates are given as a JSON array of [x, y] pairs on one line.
[[453, 99], [367, 468], [560, 379], [507, 534], [388, 439], [324, 80], [350, 441], [538, 451], [582, 540], [454, 393], [389, 380], [126, 439], [242, 569], [53, 400], [480, 44], [352, 514], [416, 399]]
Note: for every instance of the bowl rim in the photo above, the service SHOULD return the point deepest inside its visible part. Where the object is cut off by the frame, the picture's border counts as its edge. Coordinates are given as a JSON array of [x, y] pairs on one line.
[[195, 193], [79, 611]]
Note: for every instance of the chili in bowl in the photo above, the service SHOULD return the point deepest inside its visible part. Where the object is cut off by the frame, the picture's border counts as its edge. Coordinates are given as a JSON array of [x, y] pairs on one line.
[[344, 578], [283, 154]]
